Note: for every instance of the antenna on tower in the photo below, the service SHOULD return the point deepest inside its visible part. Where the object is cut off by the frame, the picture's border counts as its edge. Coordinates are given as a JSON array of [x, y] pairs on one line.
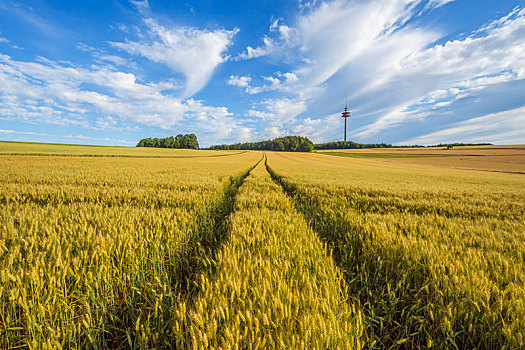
[[345, 114]]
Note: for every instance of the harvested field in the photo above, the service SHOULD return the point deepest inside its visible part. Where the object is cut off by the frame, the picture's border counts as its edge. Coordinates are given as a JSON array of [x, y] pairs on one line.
[[488, 158]]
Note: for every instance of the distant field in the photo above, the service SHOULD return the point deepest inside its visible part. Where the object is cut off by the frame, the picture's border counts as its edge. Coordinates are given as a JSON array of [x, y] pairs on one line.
[[27, 148], [488, 158], [381, 155], [116, 247]]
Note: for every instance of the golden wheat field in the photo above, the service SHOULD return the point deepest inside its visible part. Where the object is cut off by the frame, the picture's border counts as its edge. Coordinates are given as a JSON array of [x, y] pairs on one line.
[[204, 249]]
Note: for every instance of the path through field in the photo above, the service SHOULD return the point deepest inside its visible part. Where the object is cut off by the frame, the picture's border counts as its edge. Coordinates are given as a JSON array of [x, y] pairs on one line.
[[273, 285]]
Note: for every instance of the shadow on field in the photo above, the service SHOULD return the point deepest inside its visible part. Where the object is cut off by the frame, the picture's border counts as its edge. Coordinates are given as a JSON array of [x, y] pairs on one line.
[[211, 232], [401, 303]]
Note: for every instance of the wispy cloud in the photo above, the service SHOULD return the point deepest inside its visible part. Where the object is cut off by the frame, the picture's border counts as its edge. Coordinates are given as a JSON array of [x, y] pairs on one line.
[[80, 137], [433, 4], [391, 69], [193, 52], [140, 5], [101, 55], [461, 67], [328, 37], [500, 128], [27, 15], [4, 131]]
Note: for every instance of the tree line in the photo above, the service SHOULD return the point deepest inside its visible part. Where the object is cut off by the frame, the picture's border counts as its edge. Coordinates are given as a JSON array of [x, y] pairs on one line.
[[286, 144], [350, 145], [179, 141], [461, 144], [354, 145]]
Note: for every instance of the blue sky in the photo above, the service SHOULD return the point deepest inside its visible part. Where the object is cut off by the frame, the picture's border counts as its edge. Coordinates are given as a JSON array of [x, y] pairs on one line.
[[113, 72]]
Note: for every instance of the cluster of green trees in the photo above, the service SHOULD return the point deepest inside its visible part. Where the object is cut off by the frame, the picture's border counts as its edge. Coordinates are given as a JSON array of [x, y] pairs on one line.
[[287, 144], [351, 145], [179, 141], [354, 145]]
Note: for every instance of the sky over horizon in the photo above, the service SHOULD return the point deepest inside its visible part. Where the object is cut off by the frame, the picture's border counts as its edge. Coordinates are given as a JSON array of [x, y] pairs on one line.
[[114, 72]]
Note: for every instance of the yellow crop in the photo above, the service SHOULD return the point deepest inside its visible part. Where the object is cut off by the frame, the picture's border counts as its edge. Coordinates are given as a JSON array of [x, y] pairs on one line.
[[117, 248], [96, 250], [434, 257], [274, 286]]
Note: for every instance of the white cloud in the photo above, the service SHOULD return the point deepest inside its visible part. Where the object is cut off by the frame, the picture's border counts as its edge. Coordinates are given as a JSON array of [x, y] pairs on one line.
[[500, 128], [107, 123], [123, 28], [192, 52], [273, 132], [284, 31], [276, 82], [259, 51], [79, 136], [461, 67], [48, 92], [433, 4], [101, 56], [328, 37], [338, 32], [243, 134], [85, 47], [377, 52], [126, 142], [311, 128], [289, 77], [279, 111], [6, 131], [140, 5], [113, 59], [240, 81], [391, 69], [273, 81], [4, 40], [260, 114]]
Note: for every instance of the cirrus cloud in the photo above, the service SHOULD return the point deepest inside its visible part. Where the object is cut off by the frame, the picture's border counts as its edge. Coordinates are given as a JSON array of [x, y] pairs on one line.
[[394, 70], [193, 52]]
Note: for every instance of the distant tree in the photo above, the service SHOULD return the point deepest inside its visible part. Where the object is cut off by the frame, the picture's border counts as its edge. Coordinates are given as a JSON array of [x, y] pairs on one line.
[[350, 145], [305, 147], [287, 143], [278, 146], [179, 141], [353, 145], [190, 141]]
